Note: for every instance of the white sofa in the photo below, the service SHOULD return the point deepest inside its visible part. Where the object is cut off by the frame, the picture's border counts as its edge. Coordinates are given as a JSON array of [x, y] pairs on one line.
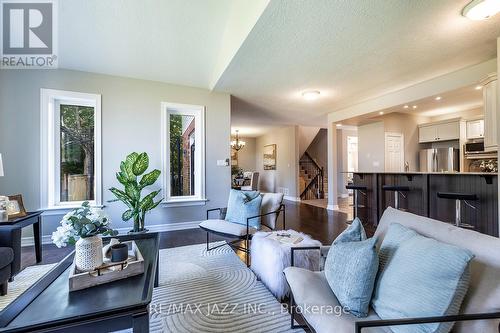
[[311, 288]]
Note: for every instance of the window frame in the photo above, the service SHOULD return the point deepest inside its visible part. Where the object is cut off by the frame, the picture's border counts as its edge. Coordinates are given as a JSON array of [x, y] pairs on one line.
[[198, 112], [50, 101]]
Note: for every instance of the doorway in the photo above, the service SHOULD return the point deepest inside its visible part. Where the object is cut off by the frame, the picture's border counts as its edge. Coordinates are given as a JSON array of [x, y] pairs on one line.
[[394, 152]]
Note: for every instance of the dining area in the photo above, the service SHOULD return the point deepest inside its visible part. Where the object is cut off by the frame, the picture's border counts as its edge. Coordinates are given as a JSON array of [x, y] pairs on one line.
[[245, 180]]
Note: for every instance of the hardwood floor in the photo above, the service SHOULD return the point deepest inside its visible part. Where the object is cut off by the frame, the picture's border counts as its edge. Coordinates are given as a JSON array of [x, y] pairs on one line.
[[321, 224]]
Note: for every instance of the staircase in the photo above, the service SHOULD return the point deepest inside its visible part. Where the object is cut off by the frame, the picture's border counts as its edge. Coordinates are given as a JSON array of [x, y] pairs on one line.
[[312, 179]]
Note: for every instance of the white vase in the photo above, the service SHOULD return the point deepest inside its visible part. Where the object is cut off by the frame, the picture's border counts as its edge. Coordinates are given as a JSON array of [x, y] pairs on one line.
[[88, 253]]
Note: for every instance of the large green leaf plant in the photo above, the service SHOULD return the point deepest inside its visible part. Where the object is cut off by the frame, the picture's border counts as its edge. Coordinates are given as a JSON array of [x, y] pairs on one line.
[[133, 167]]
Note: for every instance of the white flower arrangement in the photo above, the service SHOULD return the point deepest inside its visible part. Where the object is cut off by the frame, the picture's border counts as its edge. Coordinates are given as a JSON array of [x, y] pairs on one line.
[[80, 223]]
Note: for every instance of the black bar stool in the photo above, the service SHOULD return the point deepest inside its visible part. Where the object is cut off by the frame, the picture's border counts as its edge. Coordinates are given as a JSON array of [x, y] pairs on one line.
[[459, 197], [355, 188], [397, 189]]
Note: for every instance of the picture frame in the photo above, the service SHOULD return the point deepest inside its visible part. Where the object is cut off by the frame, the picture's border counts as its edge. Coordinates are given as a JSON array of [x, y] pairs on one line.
[[269, 157], [15, 207]]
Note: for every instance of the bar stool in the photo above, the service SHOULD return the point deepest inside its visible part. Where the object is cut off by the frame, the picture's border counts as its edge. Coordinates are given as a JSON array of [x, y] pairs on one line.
[[459, 197], [355, 188], [397, 189]]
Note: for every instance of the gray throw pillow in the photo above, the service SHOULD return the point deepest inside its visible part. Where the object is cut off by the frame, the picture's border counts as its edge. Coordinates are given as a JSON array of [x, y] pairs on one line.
[[351, 268]]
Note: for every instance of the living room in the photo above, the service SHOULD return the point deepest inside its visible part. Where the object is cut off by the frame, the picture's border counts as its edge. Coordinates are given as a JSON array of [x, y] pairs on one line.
[[224, 166]]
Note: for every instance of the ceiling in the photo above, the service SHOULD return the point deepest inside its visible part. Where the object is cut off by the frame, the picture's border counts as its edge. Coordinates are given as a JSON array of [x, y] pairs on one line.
[[266, 53], [350, 51], [451, 103], [175, 41]]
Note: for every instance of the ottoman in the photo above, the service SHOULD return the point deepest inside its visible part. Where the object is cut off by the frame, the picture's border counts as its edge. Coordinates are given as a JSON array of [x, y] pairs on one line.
[[270, 257]]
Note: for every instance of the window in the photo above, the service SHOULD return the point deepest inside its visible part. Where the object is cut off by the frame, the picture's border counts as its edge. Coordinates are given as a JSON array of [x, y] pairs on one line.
[[183, 151], [71, 148]]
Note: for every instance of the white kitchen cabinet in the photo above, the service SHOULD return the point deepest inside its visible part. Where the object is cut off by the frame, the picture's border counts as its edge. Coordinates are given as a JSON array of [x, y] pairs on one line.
[[490, 113], [442, 131], [475, 129]]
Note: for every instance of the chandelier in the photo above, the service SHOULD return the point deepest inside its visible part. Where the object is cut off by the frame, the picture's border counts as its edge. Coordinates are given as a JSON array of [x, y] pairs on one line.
[[237, 144]]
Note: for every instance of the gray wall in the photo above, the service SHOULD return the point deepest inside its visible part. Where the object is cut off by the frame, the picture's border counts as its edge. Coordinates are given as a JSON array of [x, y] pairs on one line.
[[287, 164], [246, 156], [318, 148], [371, 142], [130, 122]]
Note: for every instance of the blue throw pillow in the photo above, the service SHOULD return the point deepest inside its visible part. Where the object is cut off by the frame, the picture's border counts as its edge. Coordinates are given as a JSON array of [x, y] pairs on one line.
[[351, 268], [242, 205], [419, 277]]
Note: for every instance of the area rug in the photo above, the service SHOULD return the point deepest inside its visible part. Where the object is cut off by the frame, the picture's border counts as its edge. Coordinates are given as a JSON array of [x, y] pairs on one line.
[[22, 282], [214, 291]]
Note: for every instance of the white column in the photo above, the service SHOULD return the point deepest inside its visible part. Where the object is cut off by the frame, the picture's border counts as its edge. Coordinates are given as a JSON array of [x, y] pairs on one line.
[[332, 167], [498, 122]]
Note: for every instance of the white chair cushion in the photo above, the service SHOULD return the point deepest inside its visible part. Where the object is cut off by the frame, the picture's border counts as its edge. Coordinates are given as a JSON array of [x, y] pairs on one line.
[[226, 227], [311, 289]]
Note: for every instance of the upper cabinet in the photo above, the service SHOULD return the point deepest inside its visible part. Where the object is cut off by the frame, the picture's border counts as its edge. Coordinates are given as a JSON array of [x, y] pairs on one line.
[[475, 129], [490, 112], [441, 131]]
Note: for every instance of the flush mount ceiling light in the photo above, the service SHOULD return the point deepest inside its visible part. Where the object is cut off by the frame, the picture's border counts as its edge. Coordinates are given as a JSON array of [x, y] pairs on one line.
[[311, 95], [481, 9]]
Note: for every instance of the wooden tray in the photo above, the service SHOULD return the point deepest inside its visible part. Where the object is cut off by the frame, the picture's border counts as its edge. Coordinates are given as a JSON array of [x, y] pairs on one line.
[[109, 271]]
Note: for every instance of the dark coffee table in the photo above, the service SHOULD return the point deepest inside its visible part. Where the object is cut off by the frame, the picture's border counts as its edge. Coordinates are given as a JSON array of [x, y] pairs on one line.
[[48, 305]]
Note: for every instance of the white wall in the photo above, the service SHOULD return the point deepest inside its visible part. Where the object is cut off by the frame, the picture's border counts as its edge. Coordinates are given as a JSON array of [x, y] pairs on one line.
[[342, 135], [287, 161], [130, 122], [247, 159], [371, 143]]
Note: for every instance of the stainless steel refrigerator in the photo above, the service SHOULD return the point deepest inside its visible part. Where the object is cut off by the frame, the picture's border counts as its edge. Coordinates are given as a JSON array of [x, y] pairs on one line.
[[439, 160]]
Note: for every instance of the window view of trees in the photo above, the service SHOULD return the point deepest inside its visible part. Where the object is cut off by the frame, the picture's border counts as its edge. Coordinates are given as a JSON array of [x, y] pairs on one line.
[[77, 152], [182, 147]]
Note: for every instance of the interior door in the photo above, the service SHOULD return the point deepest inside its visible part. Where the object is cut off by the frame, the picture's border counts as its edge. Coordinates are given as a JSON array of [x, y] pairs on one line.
[[394, 152]]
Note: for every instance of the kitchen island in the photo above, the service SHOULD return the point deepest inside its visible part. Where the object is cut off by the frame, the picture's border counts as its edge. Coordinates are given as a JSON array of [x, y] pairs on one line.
[[422, 196]]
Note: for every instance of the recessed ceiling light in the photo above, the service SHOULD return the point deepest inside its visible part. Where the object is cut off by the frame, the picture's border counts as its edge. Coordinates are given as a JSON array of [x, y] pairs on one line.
[[478, 87], [481, 9], [311, 94], [381, 113], [414, 106], [438, 98], [339, 125], [406, 107]]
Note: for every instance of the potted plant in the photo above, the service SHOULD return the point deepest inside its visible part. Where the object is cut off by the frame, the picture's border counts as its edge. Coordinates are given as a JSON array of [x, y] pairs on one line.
[[82, 227], [134, 166]]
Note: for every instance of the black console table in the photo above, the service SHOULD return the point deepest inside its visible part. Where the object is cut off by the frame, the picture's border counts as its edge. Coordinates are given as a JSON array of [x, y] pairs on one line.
[[10, 236]]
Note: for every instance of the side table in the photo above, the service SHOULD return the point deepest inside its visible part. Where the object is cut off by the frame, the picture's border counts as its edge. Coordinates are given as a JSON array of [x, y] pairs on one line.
[[269, 257], [10, 236]]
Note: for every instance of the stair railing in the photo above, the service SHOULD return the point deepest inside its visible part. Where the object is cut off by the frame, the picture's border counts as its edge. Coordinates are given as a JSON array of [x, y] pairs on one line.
[[315, 188]]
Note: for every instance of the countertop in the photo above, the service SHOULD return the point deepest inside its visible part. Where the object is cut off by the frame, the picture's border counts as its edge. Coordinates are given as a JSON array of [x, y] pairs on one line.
[[430, 173]]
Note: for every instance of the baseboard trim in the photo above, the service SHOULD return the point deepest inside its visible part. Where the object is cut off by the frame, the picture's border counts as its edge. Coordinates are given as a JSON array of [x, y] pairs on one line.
[[290, 198], [332, 207], [47, 239]]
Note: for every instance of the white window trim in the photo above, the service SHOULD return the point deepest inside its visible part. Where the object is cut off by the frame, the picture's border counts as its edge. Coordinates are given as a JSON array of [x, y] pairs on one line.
[[198, 112], [49, 99]]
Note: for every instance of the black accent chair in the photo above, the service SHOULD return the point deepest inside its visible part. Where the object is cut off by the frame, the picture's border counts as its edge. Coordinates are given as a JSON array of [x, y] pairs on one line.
[[6, 260], [459, 198], [240, 232], [398, 190]]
